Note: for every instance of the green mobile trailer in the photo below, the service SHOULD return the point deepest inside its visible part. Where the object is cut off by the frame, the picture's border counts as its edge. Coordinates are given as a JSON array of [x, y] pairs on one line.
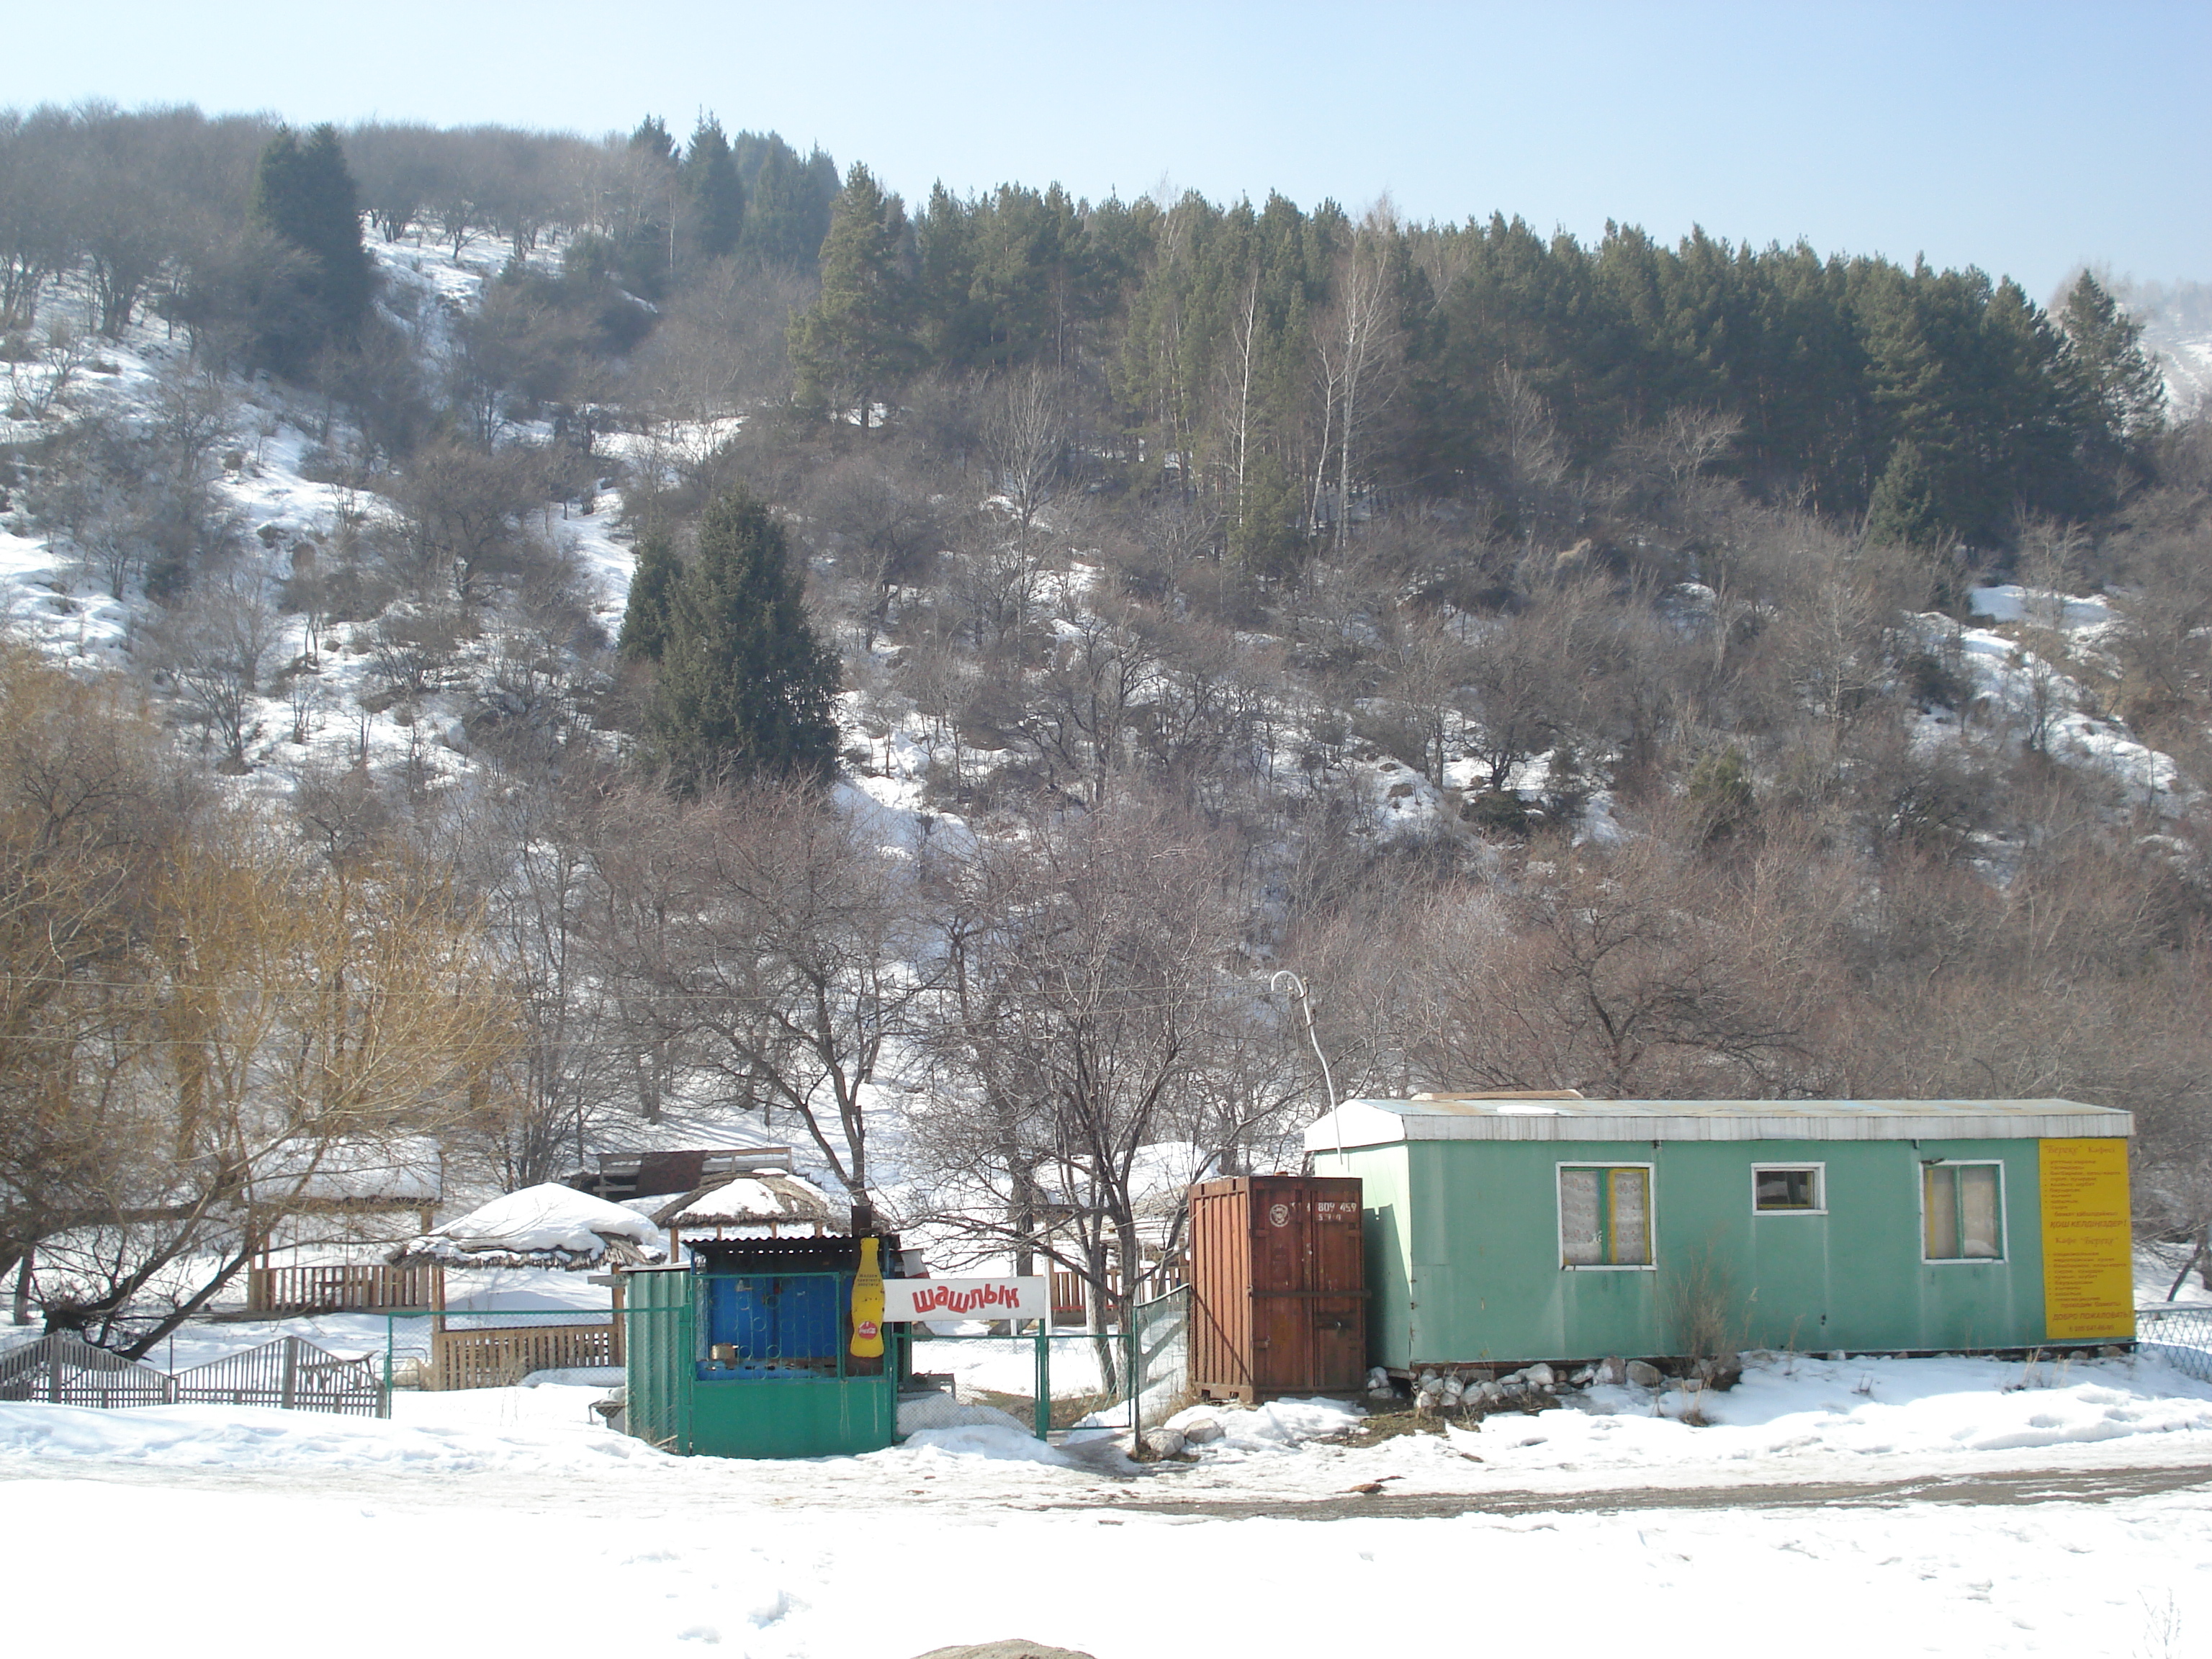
[[747, 1353], [1508, 1229]]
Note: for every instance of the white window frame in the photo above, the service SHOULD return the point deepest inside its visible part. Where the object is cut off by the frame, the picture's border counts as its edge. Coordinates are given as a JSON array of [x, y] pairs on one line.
[[1650, 1218], [1819, 1188], [2004, 1221]]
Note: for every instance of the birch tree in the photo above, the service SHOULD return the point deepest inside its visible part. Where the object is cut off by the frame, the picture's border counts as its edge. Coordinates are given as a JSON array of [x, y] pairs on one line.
[[1355, 340]]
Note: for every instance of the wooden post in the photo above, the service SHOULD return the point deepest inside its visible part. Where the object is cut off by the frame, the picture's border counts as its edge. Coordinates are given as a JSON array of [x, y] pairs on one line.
[[620, 1291]]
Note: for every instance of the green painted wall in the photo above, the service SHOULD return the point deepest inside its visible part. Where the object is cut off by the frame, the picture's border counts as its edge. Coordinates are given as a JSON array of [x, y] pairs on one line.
[[820, 1417], [670, 1405], [1463, 1253]]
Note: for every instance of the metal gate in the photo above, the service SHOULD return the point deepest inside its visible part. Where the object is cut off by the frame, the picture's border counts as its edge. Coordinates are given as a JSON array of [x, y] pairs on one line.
[[290, 1373]]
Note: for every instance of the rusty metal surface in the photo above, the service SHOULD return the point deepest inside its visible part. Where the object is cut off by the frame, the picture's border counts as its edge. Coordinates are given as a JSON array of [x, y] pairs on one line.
[[1278, 1286]]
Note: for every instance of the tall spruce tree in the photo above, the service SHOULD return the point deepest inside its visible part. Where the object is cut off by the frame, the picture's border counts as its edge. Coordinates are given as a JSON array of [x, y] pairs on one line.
[[745, 688], [652, 588], [305, 194], [787, 210], [651, 139], [858, 340], [715, 193], [1905, 510], [2125, 392]]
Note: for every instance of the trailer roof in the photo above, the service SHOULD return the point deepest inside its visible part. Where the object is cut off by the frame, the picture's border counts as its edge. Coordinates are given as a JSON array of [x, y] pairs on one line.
[[1567, 1116]]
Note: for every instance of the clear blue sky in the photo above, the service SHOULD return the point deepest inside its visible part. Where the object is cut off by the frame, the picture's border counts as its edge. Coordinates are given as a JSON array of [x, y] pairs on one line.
[[2025, 138]]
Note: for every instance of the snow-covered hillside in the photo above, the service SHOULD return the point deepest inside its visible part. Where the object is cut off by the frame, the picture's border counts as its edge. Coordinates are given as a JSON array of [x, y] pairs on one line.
[[270, 439]]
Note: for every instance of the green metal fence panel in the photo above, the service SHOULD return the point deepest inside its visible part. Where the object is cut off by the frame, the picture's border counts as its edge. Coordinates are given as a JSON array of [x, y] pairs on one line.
[[660, 1335]]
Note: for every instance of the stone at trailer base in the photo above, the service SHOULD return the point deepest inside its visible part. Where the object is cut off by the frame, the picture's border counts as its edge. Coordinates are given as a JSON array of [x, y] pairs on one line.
[[1164, 1443], [1612, 1370], [1011, 1648], [1721, 1374], [1377, 1378], [1643, 1376], [1203, 1430], [1538, 1375]]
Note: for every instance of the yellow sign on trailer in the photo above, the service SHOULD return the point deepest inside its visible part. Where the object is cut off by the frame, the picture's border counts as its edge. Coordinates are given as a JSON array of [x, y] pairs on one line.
[[2088, 1269]]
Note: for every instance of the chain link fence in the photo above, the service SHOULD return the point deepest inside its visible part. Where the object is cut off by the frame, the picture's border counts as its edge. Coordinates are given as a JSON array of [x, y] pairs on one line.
[[2180, 1336], [1053, 1380]]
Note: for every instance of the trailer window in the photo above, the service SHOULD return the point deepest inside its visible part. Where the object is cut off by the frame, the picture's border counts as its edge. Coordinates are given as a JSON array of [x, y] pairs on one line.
[[1605, 1216], [1962, 1212], [1788, 1189]]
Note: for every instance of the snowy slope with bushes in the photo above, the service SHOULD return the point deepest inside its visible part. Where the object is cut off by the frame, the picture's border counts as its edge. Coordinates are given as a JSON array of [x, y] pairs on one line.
[[1811, 741]]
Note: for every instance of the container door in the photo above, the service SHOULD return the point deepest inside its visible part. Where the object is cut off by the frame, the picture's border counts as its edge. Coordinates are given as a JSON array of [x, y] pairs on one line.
[[1338, 1312], [1282, 1270], [1339, 1344]]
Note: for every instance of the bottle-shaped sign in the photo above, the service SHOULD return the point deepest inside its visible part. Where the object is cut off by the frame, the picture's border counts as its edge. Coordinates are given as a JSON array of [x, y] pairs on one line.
[[868, 1304]]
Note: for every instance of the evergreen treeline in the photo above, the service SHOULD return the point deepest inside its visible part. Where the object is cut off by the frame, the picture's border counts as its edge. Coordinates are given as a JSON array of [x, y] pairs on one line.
[[1322, 364], [1299, 369]]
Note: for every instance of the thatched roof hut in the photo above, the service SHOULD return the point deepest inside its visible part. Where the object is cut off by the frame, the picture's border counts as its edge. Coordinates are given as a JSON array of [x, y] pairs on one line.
[[545, 1227], [773, 1199]]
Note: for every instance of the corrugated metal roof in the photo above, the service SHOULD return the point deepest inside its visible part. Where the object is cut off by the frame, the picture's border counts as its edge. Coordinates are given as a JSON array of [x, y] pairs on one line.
[[1565, 1118]]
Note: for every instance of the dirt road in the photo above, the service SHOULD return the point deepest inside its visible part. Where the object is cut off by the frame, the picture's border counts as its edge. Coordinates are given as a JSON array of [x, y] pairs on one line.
[[2013, 1486]]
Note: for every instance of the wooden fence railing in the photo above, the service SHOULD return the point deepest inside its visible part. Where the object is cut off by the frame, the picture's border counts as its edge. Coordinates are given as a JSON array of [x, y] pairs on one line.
[[342, 1288], [498, 1357]]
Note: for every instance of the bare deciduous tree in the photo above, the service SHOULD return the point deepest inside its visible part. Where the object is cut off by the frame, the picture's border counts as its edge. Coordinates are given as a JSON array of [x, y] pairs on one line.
[[785, 944], [1087, 1016]]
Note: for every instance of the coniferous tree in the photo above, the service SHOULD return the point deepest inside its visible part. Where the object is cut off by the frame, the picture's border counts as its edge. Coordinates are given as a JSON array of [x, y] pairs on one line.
[[1905, 511], [2121, 381], [716, 194], [859, 341], [787, 205], [652, 588], [745, 688], [651, 139], [305, 196]]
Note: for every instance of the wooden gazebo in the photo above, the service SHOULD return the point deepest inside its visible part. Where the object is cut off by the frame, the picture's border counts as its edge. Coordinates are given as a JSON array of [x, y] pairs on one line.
[[782, 1203]]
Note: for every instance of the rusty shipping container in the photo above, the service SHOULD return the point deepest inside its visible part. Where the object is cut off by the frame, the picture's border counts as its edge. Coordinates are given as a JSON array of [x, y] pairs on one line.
[[1277, 1287]]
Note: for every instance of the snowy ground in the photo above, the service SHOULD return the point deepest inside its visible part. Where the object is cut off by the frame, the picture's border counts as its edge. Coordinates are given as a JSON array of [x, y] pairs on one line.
[[2020, 689], [506, 1520]]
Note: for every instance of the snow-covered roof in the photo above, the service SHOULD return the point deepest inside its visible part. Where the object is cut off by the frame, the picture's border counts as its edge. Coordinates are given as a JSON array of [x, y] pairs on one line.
[[546, 1226], [1568, 1117], [410, 1170], [754, 1200]]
